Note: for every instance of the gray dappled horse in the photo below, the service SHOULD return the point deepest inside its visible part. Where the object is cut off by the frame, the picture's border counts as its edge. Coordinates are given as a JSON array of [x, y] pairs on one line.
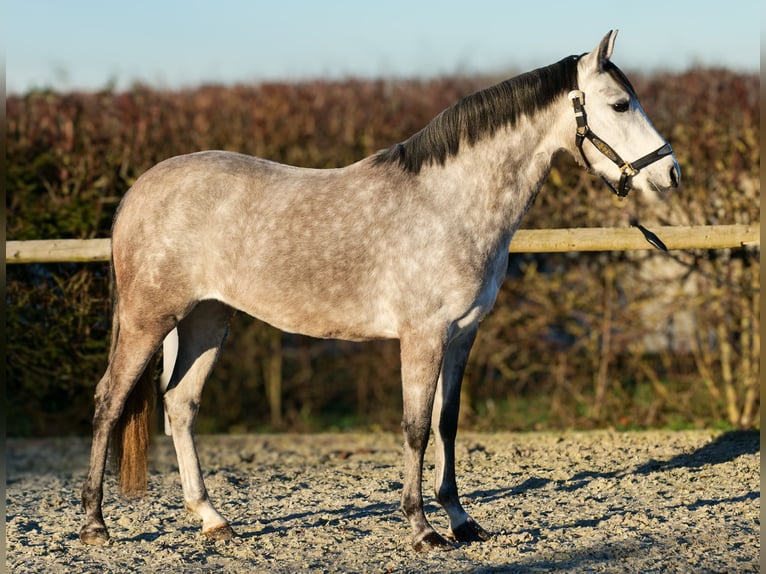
[[409, 243]]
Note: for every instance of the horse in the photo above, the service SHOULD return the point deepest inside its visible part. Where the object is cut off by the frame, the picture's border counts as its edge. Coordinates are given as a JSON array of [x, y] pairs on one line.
[[410, 243]]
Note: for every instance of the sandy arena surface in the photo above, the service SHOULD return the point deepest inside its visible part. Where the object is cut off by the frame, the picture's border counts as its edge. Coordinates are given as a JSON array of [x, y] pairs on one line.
[[554, 502]]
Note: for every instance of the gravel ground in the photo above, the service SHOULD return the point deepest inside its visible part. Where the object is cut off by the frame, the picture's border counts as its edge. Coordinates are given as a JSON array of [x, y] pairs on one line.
[[555, 502]]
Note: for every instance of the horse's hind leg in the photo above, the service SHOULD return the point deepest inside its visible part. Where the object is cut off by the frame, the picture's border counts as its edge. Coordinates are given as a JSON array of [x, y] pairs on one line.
[[445, 421], [130, 354], [200, 336]]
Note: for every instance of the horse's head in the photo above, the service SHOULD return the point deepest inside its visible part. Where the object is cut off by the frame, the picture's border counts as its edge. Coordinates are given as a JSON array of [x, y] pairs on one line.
[[614, 137]]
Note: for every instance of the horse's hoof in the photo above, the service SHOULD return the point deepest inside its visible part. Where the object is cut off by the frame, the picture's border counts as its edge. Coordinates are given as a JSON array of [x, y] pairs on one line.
[[223, 532], [95, 536], [431, 541], [470, 531]]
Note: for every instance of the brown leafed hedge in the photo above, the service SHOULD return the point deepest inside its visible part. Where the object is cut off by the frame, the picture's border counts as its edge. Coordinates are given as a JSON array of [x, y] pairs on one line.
[[576, 340]]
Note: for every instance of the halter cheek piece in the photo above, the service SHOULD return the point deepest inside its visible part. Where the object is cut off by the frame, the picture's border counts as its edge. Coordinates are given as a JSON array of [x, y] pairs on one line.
[[627, 170]]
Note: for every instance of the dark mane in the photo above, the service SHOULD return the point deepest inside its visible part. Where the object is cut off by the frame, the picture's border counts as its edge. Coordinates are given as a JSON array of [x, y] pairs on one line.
[[481, 114]]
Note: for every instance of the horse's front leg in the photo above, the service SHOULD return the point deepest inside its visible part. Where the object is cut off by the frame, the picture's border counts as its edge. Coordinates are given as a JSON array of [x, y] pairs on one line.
[[421, 361], [445, 420]]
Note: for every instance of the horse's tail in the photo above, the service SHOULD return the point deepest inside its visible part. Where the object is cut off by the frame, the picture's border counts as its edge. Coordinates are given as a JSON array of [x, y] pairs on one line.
[[130, 436]]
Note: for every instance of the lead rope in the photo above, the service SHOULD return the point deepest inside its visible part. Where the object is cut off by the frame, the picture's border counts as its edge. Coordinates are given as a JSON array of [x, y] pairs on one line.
[[583, 131], [627, 171]]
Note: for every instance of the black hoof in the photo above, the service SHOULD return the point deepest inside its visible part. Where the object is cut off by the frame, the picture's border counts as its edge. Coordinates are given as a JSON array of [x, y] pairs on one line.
[[470, 531], [431, 541], [94, 535]]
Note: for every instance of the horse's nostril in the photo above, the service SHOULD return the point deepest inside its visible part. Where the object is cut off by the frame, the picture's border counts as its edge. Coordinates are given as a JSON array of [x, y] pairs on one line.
[[674, 179]]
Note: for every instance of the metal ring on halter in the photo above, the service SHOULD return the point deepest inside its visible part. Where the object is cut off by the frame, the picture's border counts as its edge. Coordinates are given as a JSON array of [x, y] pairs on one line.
[[627, 170]]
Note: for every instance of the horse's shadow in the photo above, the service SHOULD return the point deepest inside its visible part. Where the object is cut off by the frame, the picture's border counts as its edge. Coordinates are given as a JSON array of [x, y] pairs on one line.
[[724, 448], [320, 518]]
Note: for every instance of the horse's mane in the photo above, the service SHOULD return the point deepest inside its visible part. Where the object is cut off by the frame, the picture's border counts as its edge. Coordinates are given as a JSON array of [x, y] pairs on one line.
[[481, 114]]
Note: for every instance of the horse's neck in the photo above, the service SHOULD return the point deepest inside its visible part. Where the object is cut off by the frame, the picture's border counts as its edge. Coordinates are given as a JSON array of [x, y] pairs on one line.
[[492, 183]]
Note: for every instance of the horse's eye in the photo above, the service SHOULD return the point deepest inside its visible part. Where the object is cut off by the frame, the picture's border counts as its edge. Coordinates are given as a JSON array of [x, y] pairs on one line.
[[621, 107]]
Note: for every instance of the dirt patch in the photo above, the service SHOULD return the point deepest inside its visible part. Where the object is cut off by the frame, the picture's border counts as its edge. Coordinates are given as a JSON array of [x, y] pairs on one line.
[[603, 501]]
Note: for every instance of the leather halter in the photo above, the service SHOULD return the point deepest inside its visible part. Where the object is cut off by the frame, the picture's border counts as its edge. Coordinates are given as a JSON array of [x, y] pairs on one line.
[[627, 170]]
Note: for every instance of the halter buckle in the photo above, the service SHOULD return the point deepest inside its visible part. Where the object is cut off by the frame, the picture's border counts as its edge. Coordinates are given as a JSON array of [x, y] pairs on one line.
[[577, 95]]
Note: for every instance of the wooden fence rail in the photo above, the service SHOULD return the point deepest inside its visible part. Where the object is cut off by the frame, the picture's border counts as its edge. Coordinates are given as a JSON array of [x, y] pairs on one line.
[[525, 241]]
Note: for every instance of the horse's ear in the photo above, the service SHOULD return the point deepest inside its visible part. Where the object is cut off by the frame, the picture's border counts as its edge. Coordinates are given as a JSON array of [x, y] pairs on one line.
[[605, 48], [597, 59]]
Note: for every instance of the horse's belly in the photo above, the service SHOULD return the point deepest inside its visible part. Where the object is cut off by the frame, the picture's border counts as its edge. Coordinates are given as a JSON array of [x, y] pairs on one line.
[[349, 319]]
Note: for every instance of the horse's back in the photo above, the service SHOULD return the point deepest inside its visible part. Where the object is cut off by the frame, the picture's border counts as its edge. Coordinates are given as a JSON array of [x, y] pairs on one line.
[[210, 195]]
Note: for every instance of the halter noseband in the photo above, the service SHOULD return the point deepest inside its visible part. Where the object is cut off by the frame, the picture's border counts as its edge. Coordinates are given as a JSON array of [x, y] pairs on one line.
[[627, 170]]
